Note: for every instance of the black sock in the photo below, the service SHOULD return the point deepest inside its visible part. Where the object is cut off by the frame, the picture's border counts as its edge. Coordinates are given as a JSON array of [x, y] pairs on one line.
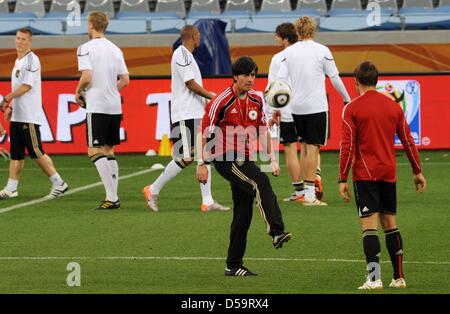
[[318, 172], [394, 246], [372, 249], [298, 186]]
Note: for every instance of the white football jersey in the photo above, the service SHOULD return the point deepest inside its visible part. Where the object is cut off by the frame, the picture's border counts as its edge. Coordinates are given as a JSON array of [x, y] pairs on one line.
[[306, 63], [185, 103], [28, 107], [286, 115], [106, 62]]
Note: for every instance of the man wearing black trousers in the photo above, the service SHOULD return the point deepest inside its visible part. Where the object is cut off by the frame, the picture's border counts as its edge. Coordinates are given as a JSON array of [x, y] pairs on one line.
[[237, 118]]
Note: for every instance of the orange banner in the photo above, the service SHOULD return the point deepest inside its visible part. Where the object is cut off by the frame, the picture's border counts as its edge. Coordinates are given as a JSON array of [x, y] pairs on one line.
[[155, 61]]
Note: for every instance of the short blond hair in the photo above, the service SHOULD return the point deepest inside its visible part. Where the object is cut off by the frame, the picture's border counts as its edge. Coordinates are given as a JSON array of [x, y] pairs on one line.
[[305, 27], [99, 21]]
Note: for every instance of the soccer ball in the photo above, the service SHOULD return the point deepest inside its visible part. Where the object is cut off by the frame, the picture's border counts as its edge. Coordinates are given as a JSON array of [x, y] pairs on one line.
[[278, 94]]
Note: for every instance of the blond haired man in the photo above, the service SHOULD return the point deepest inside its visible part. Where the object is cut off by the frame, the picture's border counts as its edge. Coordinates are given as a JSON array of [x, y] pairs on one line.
[[25, 113], [101, 62], [306, 63]]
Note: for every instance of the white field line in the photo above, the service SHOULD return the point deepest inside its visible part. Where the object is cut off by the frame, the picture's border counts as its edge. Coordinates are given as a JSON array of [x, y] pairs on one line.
[[203, 258], [282, 166], [73, 191]]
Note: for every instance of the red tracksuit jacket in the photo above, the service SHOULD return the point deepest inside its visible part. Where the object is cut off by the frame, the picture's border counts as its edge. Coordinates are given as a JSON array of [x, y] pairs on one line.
[[235, 117], [368, 131]]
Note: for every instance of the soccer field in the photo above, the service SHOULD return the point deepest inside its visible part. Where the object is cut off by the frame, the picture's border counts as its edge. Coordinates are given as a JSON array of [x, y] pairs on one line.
[[182, 250]]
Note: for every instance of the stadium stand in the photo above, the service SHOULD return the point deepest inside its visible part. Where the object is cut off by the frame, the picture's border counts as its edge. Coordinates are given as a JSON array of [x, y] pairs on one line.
[[314, 8], [106, 6], [168, 16], [32, 7], [205, 8]]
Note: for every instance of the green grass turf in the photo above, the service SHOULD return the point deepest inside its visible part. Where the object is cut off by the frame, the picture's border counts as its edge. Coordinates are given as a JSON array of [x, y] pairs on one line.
[[324, 256]]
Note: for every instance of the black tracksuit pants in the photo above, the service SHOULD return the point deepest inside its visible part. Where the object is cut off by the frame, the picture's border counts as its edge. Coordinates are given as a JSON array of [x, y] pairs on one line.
[[247, 183]]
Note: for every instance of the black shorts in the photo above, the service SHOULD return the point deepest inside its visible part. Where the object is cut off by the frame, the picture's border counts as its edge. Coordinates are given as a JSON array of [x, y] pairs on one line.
[[375, 197], [288, 133], [312, 128], [103, 129], [184, 137], [25, 135]]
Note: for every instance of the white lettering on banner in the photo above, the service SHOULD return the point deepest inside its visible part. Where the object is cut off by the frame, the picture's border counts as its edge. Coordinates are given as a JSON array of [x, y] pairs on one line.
[[46, 131], [162, 100], [67, 119]]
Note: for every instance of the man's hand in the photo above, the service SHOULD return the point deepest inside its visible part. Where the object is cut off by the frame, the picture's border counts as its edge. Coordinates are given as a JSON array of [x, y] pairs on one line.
[[420, 182], [202, 173], [4, 103], [276, 117], [275, 167], [344, 191], [7, 114], [81, 101]]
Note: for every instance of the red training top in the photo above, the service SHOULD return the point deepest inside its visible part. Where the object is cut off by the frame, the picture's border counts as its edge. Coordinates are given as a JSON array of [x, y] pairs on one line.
[[239, 121], [368, 132]]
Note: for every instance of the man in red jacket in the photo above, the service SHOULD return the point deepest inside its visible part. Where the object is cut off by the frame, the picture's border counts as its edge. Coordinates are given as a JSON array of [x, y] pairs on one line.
[[233, 120], [368, 129]]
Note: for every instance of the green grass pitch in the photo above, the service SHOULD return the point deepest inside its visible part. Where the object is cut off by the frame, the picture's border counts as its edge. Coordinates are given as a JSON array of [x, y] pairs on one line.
[[182, 250]]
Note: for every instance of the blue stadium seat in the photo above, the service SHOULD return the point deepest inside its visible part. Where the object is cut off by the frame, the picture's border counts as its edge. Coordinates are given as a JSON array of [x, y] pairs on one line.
[[59, 9], [420, 14], [169, 9], [133, 9], [4, 6], [10, 27], [204, 9], [106, 6], [263, 23], [166, 25], [347, 15], [47, 26], [236, 8], [30, 6], [313, 8], [387, 6], [125, 27], [275, 6]]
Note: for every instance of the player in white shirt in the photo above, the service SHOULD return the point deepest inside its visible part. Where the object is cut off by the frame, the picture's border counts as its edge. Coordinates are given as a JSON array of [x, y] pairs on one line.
[[305, 64], [285, 35], [101, 63], [187, 109], [23, 107]]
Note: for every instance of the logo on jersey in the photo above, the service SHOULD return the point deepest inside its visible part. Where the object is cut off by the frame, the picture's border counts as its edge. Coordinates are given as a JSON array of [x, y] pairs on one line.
[[17, 73], [253, 114]]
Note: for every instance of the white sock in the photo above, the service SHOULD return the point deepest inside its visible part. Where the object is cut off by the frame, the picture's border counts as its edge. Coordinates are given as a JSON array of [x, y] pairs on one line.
[[310, 192], [56, 179], [206, 189], [102, 166], [114, 168], [12, 185], [170, 172]]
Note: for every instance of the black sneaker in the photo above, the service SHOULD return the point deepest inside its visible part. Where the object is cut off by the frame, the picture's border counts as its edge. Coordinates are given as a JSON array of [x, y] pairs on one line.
[[106, 204], [281, 238], [238, 271]]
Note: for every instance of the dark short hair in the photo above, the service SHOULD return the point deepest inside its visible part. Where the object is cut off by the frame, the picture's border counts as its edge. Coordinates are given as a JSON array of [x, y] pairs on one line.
[[26, 30], [244, 65], [366, 73], [287, 31]]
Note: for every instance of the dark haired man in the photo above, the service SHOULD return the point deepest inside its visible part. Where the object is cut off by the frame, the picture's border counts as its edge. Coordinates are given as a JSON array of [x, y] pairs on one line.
[[237, 116], [370, 123], [187, 108]]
